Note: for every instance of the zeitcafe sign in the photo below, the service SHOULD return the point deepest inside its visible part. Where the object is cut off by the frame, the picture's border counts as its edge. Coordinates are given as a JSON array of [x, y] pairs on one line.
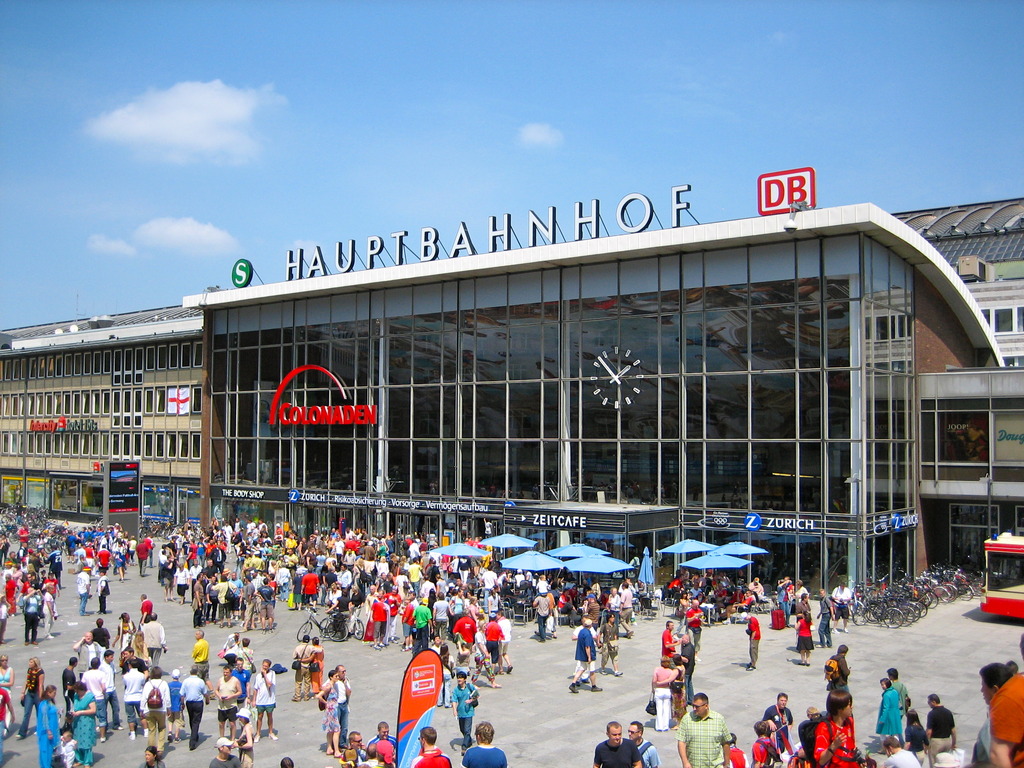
[[633, 213], [284, 412]]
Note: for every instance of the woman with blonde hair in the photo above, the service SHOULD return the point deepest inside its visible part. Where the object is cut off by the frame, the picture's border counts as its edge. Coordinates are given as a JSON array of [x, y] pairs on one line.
[[661, 682], [6, 676], [139, 646], [125, 631]]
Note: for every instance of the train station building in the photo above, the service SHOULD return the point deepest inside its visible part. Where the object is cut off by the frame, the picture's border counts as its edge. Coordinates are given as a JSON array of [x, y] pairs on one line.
[[750, 379], [824, 384]]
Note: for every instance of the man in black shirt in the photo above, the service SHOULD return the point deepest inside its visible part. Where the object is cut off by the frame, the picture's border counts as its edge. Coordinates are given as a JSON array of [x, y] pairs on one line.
[[101, 634], [68, 679], [616, 752], [941, 729], [689, 653]]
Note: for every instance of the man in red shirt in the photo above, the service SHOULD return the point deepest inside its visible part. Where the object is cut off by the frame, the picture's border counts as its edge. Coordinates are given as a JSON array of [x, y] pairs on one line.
[[394, 603], [466, 628], [669, 643], [146, 608], [103, 558], [142, 553], [310, 585], [408, 622], [695, 623], [379, 616], [754, 632], [430, 755], [492, 634]]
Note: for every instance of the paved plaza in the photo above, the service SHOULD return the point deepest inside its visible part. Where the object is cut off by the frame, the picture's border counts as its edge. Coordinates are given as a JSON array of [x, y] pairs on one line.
[[537, 721]]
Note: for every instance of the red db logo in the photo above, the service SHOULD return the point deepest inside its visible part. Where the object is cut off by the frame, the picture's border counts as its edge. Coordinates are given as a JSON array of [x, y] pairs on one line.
[[778, 192]]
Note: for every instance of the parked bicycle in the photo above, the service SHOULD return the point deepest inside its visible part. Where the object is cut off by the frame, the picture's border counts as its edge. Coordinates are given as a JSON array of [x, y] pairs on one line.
[[327, 628]]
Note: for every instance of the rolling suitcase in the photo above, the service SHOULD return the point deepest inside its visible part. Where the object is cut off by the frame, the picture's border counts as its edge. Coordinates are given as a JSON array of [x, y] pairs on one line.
[[778, 619]]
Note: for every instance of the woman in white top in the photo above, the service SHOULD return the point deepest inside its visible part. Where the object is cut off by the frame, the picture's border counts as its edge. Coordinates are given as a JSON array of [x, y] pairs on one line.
[[182, 578]]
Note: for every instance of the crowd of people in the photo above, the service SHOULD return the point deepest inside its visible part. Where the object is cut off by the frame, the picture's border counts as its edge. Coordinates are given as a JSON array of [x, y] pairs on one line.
[[391, 594]]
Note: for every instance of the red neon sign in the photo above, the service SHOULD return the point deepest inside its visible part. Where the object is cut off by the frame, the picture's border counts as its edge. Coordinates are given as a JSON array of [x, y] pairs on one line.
[[288, 414]]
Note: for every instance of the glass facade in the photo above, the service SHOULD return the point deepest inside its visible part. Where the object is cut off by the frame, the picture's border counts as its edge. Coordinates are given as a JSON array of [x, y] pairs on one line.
[[774, 379]]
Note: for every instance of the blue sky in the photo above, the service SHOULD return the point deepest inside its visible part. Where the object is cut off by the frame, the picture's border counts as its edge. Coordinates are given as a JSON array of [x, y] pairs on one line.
[[144, 147]]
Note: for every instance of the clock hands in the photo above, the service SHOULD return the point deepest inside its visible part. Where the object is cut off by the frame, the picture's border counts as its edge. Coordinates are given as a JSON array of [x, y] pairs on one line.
[[615, 376]]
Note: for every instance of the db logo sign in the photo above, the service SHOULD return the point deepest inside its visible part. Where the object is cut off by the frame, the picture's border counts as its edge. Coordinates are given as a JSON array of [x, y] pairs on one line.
[[778, 192]]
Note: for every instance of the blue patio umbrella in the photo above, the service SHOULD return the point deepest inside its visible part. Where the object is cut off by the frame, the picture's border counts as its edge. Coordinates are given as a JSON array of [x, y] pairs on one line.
[[459, 550], [739, 548], [507, 541], [576, 550], [686, 547], [596, 564], [532, 561], [717, 561], [646, 574]]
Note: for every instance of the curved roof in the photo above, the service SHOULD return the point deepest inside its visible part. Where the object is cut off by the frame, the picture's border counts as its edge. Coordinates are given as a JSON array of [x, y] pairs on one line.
[[993, 230], [864, 218]]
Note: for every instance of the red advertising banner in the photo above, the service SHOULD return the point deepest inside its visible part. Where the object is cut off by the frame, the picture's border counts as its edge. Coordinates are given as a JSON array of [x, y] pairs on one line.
[[420, 688]]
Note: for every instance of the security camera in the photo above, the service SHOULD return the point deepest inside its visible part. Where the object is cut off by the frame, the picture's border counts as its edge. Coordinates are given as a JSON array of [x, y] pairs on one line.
[[790, 224]]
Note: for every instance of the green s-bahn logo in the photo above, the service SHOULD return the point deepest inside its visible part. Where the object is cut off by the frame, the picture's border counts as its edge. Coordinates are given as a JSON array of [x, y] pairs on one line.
[[241, 273]]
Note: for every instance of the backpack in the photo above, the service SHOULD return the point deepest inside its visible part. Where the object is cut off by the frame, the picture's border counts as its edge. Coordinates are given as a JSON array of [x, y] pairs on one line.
[[771, 750], [155, 700], [832, 669]]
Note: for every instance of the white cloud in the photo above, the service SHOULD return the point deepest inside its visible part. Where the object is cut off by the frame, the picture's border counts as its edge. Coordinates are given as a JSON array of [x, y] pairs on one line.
[[110, 246], [186, 236], [540, 135], [189, 122]]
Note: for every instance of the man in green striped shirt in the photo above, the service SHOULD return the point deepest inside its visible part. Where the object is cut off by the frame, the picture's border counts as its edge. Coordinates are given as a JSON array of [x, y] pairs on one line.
[[703, 737]]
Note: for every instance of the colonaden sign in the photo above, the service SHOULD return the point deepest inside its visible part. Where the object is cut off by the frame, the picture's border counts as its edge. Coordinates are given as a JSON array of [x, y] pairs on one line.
[[499, 235], [289, 414]]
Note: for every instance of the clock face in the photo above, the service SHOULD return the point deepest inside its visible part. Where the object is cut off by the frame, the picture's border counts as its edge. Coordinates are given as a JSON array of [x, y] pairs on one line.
[[615, 377]]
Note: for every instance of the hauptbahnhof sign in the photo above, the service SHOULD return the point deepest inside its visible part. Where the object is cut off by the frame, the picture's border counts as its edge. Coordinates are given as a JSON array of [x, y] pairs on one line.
[[499, 235]]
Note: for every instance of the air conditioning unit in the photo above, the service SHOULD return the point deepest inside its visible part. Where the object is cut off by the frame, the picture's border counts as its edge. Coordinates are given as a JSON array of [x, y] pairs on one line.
[[974, 269]]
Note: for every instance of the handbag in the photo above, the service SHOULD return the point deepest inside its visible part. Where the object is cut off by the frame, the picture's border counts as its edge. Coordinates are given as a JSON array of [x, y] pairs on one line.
[[296, 665], [314, 666], [651, 708]]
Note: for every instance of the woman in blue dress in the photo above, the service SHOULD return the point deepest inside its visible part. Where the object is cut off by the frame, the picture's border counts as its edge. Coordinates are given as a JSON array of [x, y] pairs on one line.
[[890, 714], [328, 698], [47, 727], [83, 710]]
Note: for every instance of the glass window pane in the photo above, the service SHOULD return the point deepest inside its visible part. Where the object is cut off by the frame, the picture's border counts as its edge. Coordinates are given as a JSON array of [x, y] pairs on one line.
[[773, 405], [727, 399]]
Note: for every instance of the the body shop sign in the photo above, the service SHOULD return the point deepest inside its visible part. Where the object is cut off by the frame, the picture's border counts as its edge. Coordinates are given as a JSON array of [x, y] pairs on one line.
[[285, 413], [1009, 434]]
